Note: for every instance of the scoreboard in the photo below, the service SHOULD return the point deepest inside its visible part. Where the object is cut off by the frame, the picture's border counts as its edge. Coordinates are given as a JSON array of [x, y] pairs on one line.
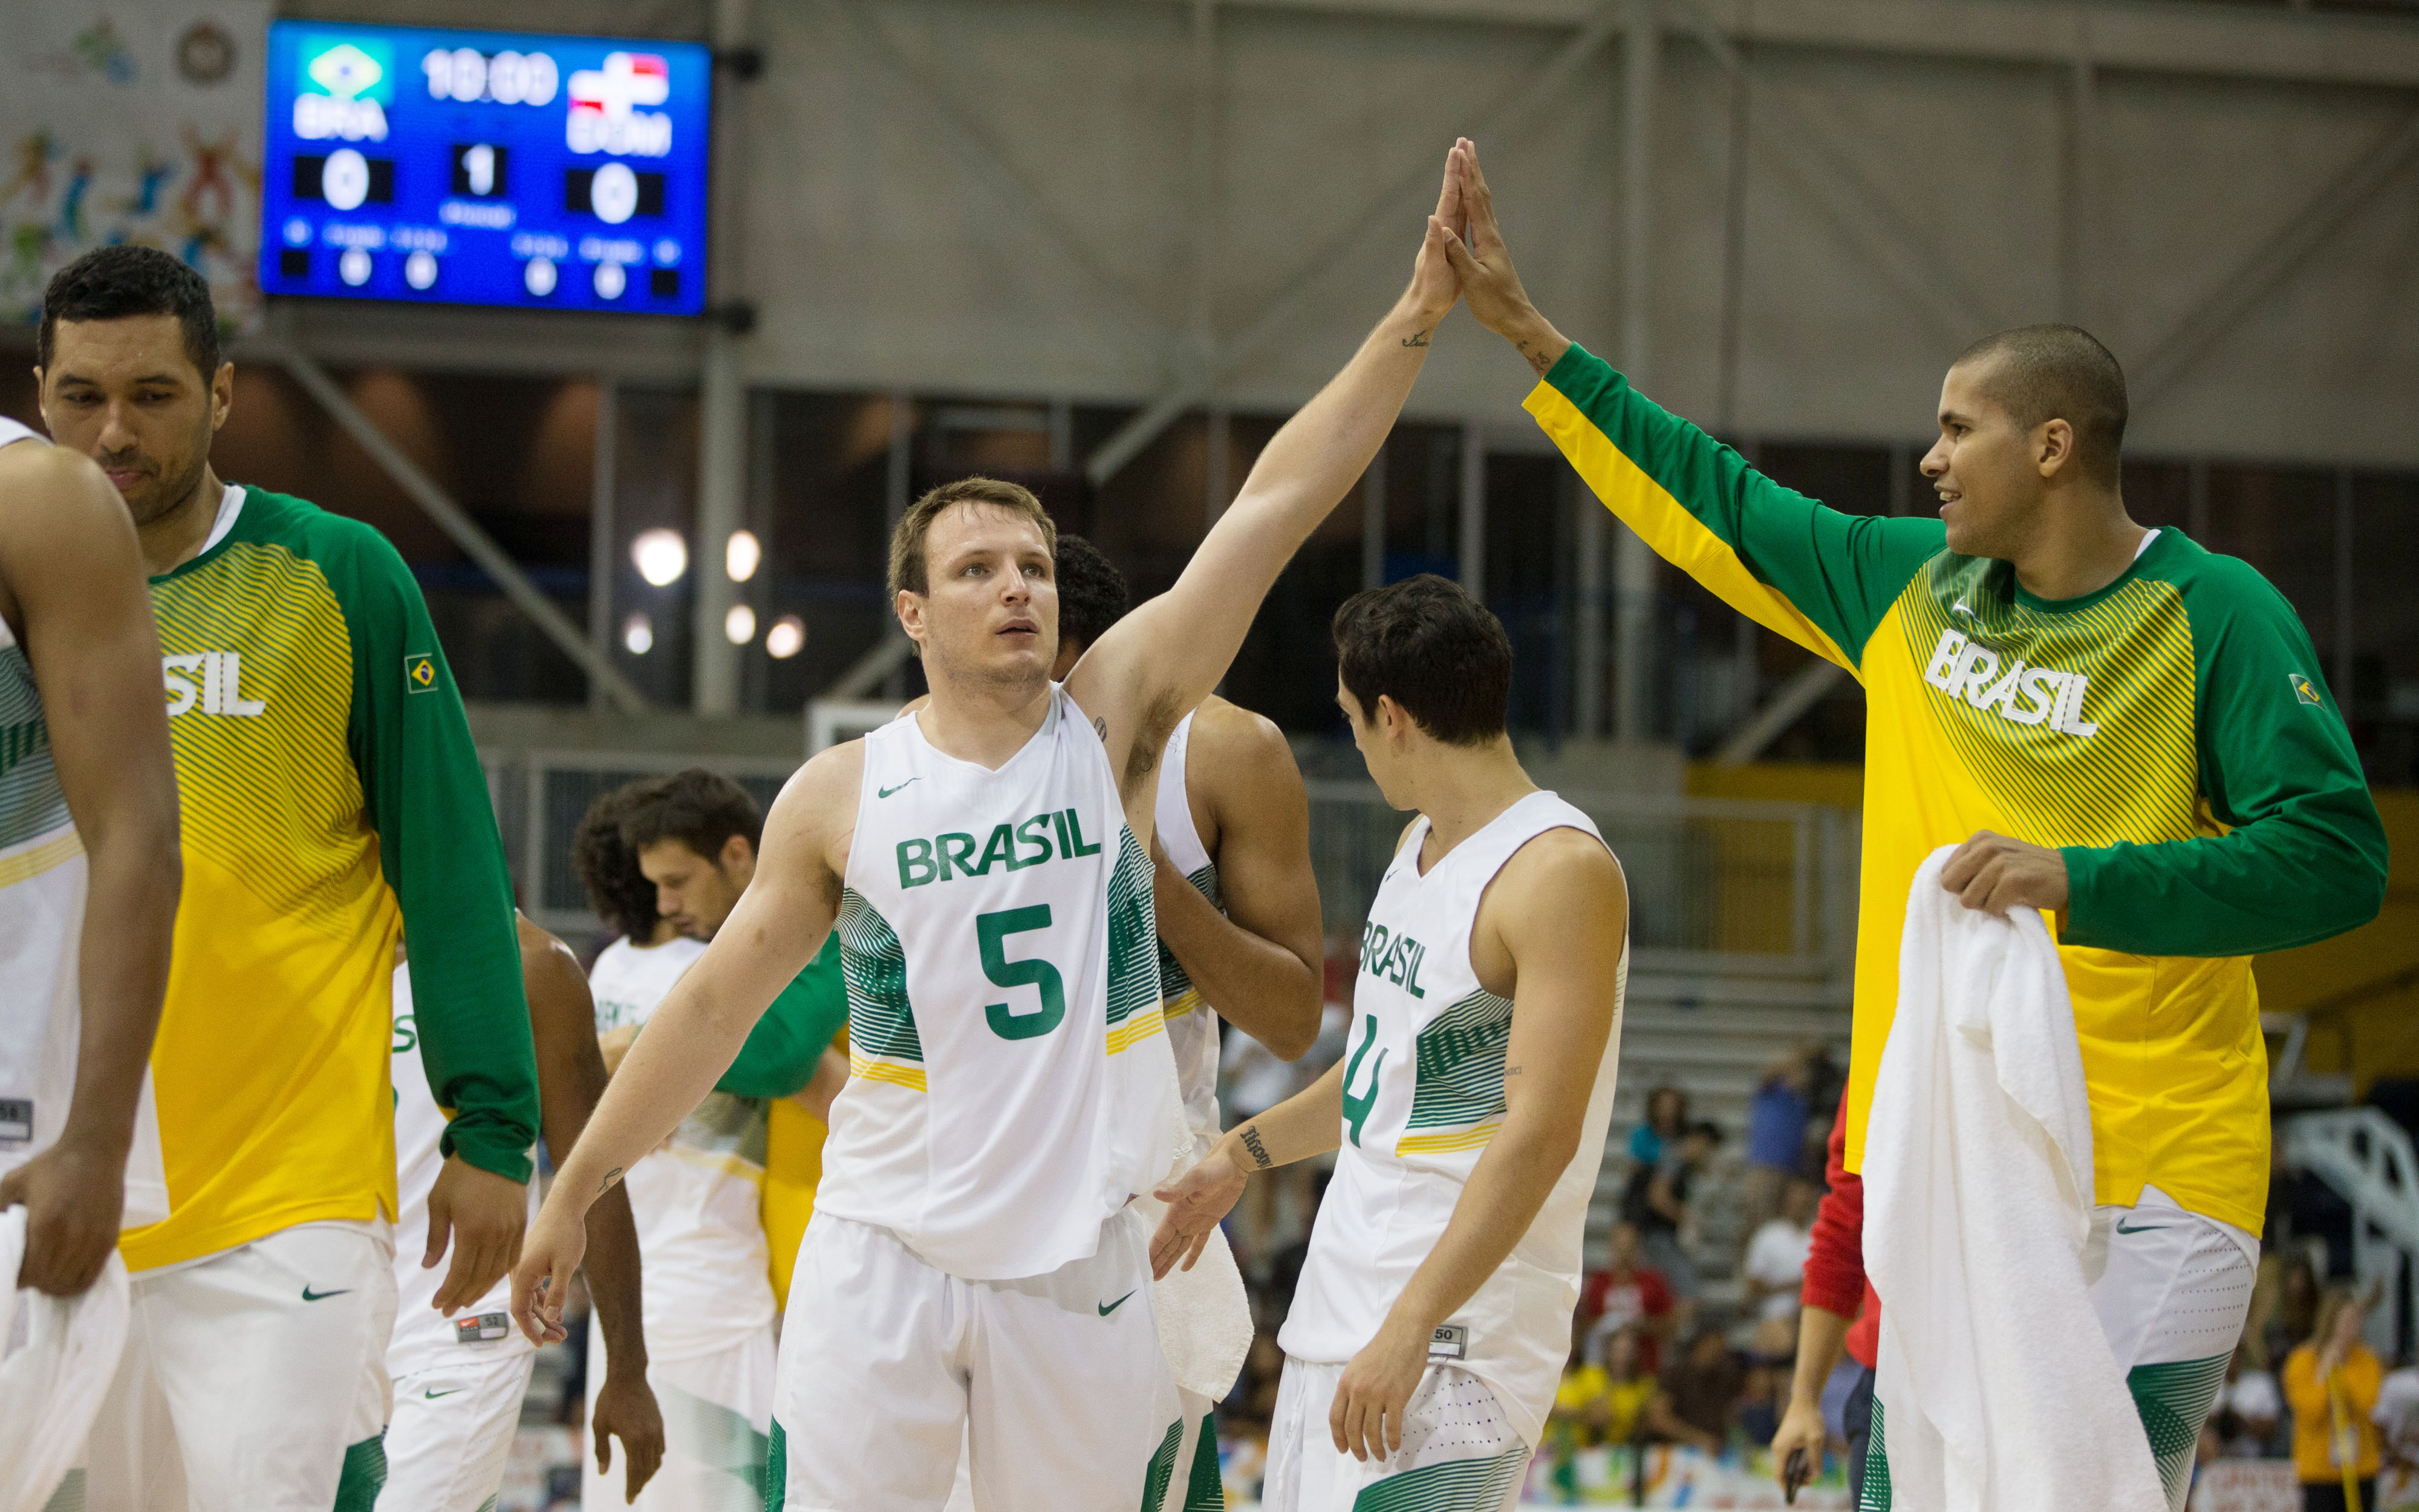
[[487, 168]]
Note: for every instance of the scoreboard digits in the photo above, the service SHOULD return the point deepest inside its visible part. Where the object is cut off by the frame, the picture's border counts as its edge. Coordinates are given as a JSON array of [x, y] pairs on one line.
[[485, 168]]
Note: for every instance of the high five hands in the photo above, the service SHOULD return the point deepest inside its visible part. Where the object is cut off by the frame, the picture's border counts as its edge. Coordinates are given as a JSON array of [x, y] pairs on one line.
[[1483, 264]]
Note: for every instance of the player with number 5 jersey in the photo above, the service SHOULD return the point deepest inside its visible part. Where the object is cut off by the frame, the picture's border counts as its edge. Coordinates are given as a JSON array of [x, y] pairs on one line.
[[973, 1272]]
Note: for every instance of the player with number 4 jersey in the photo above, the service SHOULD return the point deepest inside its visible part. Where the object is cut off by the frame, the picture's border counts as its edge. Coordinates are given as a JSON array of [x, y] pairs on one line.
[[974, 1269]]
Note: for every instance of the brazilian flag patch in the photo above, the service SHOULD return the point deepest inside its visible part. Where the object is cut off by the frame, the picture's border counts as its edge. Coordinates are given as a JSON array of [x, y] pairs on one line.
[[419, 673], [2304, 688]]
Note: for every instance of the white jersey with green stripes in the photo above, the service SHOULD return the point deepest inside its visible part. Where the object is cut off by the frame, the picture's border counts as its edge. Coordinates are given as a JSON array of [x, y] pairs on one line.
[[1423, 1095], [1192, 1024], [43, 884], [1009, 1087]]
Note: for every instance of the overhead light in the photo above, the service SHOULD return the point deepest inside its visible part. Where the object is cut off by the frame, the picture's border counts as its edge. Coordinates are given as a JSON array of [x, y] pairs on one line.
[[741, 557], [660, 556], [638, 635], [740, 625], [787, 637]]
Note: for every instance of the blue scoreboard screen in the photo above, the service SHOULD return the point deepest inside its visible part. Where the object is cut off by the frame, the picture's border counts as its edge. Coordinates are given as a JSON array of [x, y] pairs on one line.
[[485, 168]]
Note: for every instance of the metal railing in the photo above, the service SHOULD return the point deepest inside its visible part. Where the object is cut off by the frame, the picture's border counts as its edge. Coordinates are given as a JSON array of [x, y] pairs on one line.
[[1715, 884]]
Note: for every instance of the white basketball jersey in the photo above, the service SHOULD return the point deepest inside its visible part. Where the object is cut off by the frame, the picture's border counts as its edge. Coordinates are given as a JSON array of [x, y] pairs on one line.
[[1423, 1094], [1010, 1084], [43, 875], [1192, 1024], [423, 1338], [699, 1199]]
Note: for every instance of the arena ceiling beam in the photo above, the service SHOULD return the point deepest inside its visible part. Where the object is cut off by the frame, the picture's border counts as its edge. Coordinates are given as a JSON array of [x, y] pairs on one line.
[[455, 522], [2189, 36]]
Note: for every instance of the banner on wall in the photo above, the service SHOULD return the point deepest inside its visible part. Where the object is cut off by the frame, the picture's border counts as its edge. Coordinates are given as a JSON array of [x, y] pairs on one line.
[[131, 123]]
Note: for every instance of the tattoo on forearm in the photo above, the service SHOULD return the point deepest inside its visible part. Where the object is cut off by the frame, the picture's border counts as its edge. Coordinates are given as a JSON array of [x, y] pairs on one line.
[[1259, 1152], [1537, 358], [1417, 338], [610, 1177], [1511, 1071]]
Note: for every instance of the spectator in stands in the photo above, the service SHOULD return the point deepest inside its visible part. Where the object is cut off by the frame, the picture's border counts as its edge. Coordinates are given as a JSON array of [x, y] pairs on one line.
[[1771, 1356], [1603, 1402], [2397, 1417], [1835, 1292], [2250, 1409], [1630, 1296], [1698, 1399], [2295, 1315], [2331, 1382], [1656, 1200], [1667, 1117], [1775, 1253], [1776, 1138]]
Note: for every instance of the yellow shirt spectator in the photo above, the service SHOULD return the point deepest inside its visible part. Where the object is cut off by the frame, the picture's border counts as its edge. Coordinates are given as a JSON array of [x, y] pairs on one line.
[[2354, 1384]]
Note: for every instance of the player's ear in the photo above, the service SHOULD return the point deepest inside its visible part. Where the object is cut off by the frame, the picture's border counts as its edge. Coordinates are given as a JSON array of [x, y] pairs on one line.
[[909, 606], [2054, 447]]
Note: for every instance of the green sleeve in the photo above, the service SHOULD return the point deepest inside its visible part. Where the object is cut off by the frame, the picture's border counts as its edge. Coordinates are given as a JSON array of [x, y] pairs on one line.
[[437, 845], [2304, 855], [781, 1050], [1820, 577]]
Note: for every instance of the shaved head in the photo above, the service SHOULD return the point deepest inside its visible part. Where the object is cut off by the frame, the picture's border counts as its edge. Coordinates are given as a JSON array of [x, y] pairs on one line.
[[2043, 372]]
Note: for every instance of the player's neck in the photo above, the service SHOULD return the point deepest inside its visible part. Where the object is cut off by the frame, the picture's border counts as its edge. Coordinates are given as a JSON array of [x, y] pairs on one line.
[[986, 725], [2086, 542], [174, 537], [1461, 789]]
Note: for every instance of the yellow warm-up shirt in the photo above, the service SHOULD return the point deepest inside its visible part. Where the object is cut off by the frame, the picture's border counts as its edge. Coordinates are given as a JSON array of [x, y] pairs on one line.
[[2170, 734], [331, 799]]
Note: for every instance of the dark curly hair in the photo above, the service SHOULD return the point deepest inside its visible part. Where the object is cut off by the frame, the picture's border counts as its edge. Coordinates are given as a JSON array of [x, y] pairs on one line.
[[608, 867], [117, 283], [1092, 593]]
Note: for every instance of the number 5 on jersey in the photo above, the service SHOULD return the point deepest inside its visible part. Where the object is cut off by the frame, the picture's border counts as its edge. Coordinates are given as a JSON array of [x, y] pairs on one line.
[[993, 930]]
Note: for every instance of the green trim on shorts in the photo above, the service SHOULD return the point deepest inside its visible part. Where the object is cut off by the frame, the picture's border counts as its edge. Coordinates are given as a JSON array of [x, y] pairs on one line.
[[777, 1469], [363, 1476], [1449, 1486], [1205, 1490], [1162, 1468], [2173, 1399]]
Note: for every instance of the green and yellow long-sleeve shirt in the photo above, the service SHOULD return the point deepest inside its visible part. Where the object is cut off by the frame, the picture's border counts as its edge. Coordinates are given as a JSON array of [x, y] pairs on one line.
[[332, 799], [2170, 734]]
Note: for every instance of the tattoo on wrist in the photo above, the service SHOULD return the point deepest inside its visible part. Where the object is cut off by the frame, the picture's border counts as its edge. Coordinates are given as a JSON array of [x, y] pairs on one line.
[[1511, 1071], [610, 1177], [1537, 358], [1417, 338], [1259, 1152]]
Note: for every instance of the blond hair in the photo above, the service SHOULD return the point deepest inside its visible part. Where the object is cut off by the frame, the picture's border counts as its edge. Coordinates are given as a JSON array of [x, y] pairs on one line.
[[907, 566]]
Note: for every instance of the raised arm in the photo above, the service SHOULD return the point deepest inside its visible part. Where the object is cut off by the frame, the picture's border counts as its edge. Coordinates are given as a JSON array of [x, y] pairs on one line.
[[1559, 911], [1259, 962], [1168, 655], [570, 1078], [778, 927], [1822, 578], [72, 589]]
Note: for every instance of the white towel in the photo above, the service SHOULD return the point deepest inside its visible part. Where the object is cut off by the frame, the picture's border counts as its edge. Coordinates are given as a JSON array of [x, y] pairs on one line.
[[1204, 1319], [1998, 1390], [56, 1358]]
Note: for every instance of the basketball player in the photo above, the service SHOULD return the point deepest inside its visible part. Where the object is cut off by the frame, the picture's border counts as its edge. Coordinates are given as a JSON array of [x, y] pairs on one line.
[[972, 1267], [2113, 723], [89, 872], [459, 1381], [1237, 905], [331, 797], [1432, 1319], [699, 1200]]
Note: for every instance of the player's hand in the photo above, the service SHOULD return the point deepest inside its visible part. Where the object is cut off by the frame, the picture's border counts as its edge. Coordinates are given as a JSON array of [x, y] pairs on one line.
[[1367, 1417], [1435, 285], [1197, 1201], [481, 1213], [1488, 280], [626, 1408], [1801, 1429], [614, 1043], [73, 1194], [541, 1280], [1996, 872]]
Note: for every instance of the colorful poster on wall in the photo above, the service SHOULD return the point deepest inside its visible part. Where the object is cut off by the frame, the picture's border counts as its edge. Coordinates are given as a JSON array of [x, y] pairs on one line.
[[131, 123]]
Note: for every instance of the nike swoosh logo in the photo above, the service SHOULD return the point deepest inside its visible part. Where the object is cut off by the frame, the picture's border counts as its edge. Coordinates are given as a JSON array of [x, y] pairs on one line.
[[885, 792], [309, 1295], [430, 1396], [1108, 1307], [2142, 1228]]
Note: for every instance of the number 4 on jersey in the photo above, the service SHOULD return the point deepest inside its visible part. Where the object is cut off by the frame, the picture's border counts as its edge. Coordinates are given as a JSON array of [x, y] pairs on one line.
[[992, 931]]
